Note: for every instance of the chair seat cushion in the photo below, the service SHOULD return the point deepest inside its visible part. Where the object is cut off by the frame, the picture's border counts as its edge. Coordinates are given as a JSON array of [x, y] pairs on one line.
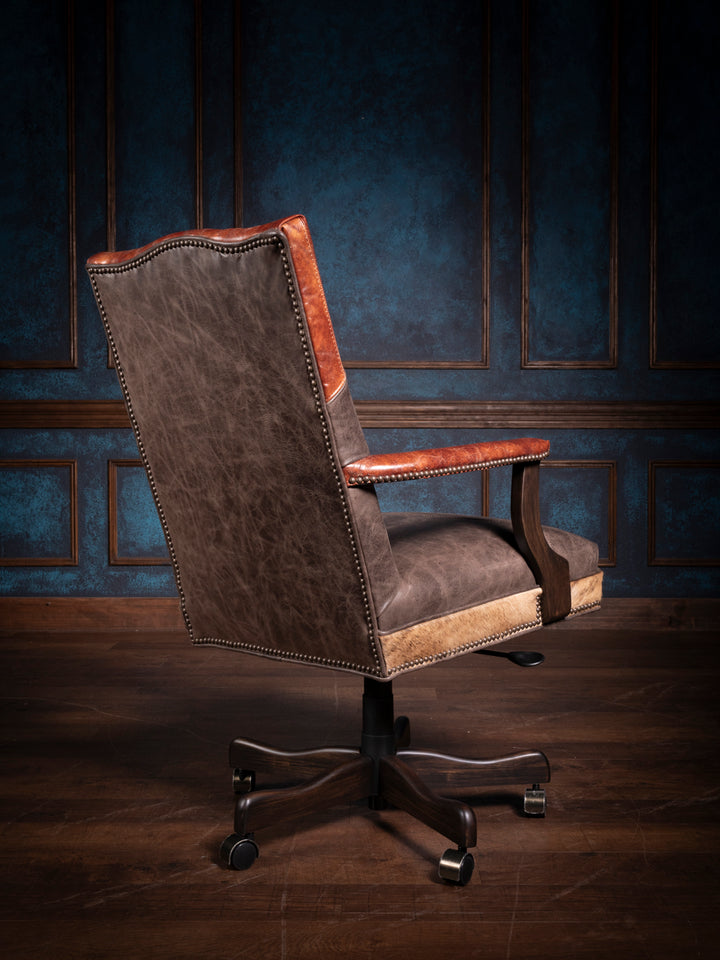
[[448, 563]]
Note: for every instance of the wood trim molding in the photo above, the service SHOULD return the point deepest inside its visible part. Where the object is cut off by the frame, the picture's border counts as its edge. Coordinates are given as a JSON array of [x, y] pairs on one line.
[[483, 362], [611, 508], [653, 559], [70, 560], [237, 116], [63, 414], [110, 128], [88, 615], [613, 234], [656, 363], [114, 558], [411, 414], [71, 361], [548, 415], [198, 102]]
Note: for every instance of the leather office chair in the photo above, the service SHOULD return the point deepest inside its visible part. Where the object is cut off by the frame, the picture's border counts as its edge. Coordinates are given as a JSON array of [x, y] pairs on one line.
[[265, 488]]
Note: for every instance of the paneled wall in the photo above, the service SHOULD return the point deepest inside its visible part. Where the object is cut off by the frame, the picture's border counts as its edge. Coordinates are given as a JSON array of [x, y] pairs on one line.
[[514, 207]]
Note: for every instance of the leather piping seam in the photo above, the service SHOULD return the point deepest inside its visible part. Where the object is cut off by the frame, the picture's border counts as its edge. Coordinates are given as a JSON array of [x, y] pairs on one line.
[[239, 248], [360, 480], [475, 645]]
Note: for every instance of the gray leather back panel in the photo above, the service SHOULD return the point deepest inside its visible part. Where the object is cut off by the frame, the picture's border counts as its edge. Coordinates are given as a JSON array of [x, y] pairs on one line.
[[214, 359]]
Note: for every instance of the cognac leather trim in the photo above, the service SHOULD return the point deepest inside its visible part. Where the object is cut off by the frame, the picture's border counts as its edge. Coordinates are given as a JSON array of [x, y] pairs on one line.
[[440, 461], [112, 258], [332, 372], [302, 252]]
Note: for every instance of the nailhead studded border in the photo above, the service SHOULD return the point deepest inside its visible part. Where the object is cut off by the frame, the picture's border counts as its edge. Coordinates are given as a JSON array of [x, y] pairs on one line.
[[239, 249], [584, 607], [360, 480]]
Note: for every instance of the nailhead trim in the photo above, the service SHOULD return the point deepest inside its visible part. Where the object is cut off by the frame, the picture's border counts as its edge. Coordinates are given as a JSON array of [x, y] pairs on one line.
[[362, 480], [585, 606], [328, 446], [239, 249], [285, 655], [139, 440]]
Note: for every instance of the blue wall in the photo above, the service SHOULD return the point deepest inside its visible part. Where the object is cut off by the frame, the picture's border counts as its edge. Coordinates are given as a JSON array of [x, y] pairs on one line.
[[514, 207]]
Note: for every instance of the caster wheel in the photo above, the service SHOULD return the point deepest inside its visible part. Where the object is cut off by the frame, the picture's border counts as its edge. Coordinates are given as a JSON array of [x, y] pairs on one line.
[[243, 781], [456, 866], [535, 801], [239, 853]]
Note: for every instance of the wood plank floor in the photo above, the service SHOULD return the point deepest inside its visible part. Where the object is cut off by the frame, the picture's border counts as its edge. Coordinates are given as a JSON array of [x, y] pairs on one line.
[[116, 794]]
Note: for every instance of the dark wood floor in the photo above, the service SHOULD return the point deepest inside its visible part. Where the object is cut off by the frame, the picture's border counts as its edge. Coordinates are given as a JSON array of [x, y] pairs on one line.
[[116, 795]]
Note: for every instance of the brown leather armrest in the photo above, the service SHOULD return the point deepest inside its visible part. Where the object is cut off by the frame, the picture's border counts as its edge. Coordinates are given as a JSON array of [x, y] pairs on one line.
[[441, 461], [549, 568]]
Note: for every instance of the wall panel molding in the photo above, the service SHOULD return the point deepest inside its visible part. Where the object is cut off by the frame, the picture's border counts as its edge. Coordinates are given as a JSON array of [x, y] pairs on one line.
[[695, 560], [110, 164], [237, 115], [411, 414], [611, 507], [114, 557], [71, 558], [70, 360], [198, 102], [614, 165], [483, 362], [656, 361]]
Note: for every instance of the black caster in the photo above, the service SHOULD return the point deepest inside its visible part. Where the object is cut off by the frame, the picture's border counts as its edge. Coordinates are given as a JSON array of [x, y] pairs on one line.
[[239, 853], [456, 867], [535, 803], [243, 781]]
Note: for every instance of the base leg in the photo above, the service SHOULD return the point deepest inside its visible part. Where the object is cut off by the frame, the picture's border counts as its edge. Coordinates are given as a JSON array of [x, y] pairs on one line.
[[529, 767], [351, 781], [304, 764], [404, 789]]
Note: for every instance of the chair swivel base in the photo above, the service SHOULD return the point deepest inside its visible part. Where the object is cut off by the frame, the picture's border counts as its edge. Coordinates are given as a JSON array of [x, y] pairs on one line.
[[381, 771]]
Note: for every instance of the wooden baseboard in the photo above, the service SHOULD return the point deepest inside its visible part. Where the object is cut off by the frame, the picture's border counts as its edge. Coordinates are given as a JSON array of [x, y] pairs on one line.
[[53, 614], [84, 614], [648, 613]]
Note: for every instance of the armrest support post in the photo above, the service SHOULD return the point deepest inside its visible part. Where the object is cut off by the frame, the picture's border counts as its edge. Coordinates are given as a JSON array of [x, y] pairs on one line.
[[551, 571]]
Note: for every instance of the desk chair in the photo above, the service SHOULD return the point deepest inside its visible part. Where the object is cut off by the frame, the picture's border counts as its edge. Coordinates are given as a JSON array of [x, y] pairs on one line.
[[265, 488]]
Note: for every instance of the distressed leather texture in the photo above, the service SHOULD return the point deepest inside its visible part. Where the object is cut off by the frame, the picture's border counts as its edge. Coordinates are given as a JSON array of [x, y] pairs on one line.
[[216, 374], [449, 562], [243, 416]]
